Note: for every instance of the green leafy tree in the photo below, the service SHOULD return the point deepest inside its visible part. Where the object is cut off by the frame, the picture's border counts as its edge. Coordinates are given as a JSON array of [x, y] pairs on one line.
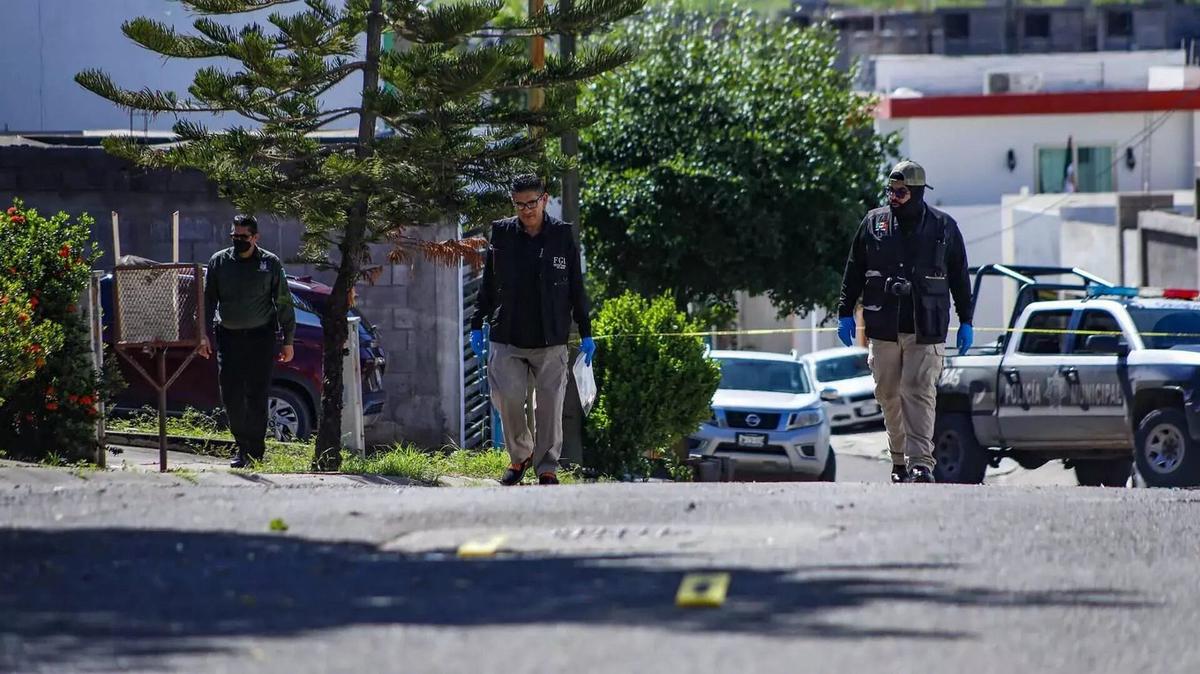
[[655, 383], [437, 138], [49, 391], [731, 157]]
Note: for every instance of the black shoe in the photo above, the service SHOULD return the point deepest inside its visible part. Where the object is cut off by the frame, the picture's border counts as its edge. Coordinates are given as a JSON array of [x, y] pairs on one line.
[[548, 478], [899, 473], [239, 461], [921, 474], [513, 476]]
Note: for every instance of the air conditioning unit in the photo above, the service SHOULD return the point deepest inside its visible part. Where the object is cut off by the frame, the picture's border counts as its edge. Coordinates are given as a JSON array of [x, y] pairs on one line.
[[1004, 82]]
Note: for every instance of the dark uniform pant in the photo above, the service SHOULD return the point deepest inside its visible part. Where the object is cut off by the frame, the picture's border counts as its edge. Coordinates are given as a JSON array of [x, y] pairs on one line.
[[246, 359]]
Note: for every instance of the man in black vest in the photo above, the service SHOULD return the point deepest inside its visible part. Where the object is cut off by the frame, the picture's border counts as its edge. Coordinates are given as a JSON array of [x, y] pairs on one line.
[[532, 288], [907, 261]]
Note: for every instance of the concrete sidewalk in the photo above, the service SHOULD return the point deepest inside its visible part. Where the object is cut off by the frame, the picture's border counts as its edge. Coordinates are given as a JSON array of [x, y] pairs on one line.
[[138, 465]]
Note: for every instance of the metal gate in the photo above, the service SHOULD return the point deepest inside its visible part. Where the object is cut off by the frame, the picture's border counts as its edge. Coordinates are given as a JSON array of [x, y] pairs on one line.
[[478, 427]]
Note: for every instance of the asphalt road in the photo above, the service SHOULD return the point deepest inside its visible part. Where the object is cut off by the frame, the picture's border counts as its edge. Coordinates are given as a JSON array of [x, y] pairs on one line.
[[862, 457], [126, 571]]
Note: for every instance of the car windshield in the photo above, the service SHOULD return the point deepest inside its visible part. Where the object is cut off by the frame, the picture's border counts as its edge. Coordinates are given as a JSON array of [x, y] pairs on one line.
[[774, 376], [843, 367], [1165, 328]]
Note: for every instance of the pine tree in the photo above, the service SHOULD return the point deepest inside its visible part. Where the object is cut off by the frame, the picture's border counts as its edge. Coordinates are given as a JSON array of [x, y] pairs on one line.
[[442, 124]]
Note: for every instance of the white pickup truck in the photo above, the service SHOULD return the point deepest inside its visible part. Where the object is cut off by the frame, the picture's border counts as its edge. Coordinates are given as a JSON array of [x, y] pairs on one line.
[[1105, 380]]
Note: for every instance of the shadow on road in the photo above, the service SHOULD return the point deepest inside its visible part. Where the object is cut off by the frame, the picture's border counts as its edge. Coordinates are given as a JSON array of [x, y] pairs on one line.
[[79, 599], [858, 429]]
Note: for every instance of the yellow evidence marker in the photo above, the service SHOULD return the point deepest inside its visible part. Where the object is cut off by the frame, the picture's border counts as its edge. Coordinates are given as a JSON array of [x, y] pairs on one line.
[[702, 590], [485, 548]]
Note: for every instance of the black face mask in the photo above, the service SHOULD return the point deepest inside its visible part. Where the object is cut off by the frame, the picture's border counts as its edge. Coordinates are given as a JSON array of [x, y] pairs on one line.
[[911, 210], [241, 247]]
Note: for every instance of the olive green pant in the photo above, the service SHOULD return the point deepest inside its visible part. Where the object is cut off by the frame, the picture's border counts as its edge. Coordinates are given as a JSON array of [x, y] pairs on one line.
[[906, 375], [511, 371]]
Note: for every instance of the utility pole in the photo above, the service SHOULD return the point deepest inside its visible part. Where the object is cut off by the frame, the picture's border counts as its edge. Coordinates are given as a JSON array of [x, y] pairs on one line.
[[570, 142], [537, 55]]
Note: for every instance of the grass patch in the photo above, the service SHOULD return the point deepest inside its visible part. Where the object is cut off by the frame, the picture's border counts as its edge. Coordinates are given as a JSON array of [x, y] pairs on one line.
[[192, 423], [287, 457], [401, 460], [186, 474], [408, 461]]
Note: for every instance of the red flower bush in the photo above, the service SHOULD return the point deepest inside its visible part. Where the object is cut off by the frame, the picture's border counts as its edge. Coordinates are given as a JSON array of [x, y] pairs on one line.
[[45, 352]]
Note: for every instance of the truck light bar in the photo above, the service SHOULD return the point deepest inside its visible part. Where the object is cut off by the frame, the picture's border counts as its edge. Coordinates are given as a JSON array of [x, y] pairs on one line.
[[1111, 291], [1097, 290]]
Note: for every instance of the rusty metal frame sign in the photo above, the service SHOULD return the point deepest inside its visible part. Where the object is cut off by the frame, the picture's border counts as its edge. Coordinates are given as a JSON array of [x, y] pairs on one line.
[[156, 308]]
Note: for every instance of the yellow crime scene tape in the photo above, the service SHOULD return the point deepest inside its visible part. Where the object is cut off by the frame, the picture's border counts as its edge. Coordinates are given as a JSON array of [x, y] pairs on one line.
[[787, 331]]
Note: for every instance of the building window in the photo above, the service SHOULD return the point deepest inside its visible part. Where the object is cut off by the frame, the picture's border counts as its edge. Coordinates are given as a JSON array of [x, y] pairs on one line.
[[1037, 24], [957, 25], [1120, 23], [1090, 169]]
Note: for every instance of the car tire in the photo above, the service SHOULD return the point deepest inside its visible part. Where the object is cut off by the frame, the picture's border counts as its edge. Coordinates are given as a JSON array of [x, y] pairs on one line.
[[960, 458], [829, 474], [289, 417], [1165, 453], [1103, 472]]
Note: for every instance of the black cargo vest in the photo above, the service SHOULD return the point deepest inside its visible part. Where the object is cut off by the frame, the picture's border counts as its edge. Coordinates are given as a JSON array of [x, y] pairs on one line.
[[885, 259]]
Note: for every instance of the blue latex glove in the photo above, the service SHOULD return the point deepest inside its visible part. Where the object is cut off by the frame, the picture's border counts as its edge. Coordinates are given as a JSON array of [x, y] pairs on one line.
[[477, 342], [846, 330], [966, 337], [588, 349]]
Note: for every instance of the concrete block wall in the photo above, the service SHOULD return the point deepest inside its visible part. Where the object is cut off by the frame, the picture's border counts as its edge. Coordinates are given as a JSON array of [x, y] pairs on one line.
[[415, 306], [1165, 250]]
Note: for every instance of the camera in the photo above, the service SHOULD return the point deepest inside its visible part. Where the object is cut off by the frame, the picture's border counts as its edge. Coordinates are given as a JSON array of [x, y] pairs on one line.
[[900, 287]]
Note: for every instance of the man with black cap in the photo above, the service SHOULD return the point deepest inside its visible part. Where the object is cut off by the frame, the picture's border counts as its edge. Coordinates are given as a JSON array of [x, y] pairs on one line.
[[907, 261]]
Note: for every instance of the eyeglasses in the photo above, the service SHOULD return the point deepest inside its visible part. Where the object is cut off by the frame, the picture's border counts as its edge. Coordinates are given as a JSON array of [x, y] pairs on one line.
[[898, 192], [528, 205], [241, 237]]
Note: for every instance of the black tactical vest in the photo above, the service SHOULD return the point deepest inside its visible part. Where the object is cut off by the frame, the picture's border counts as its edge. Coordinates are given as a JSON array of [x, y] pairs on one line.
[[887, 266]]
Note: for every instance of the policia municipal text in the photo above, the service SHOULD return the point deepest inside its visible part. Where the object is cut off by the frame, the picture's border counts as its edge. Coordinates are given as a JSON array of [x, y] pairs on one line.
[[907, 261]]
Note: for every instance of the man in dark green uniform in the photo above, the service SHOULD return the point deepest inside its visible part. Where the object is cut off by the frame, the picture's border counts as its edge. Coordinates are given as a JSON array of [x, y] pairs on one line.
[[247, 302]]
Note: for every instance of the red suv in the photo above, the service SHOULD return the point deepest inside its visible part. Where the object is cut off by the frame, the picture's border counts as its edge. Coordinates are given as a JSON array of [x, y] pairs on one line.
[[295, 387]]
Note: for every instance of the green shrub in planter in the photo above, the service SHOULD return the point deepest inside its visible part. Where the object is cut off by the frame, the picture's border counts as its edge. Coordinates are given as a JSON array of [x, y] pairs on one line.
[[655, 385]]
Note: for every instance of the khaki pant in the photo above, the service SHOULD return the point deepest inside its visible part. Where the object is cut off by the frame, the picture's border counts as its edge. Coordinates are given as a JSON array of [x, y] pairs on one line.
[[906, 375], [510, 372]]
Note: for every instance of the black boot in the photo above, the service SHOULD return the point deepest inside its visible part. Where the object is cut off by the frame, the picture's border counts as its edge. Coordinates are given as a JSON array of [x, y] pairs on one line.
[[513, 476], [899, 473], [921, 474], [239, 460]]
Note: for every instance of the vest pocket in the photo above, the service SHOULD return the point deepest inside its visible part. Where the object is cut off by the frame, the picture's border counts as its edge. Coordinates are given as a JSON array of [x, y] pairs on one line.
[[873, 295], [933, 309]]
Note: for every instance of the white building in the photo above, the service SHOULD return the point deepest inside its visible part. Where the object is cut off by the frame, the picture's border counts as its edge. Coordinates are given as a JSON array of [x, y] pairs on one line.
[[1130, 118], [50, 41]]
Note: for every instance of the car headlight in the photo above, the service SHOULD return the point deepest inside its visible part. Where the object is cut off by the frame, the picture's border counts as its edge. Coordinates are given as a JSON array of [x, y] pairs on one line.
[[806, 418], [712, 419]]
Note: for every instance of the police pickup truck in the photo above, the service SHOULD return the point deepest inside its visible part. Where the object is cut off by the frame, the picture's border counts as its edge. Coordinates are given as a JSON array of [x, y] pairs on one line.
[[1098, 375]]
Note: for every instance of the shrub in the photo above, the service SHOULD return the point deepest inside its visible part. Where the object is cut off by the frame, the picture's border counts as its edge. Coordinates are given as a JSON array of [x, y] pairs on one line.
[[49, 391], [655, 384]]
